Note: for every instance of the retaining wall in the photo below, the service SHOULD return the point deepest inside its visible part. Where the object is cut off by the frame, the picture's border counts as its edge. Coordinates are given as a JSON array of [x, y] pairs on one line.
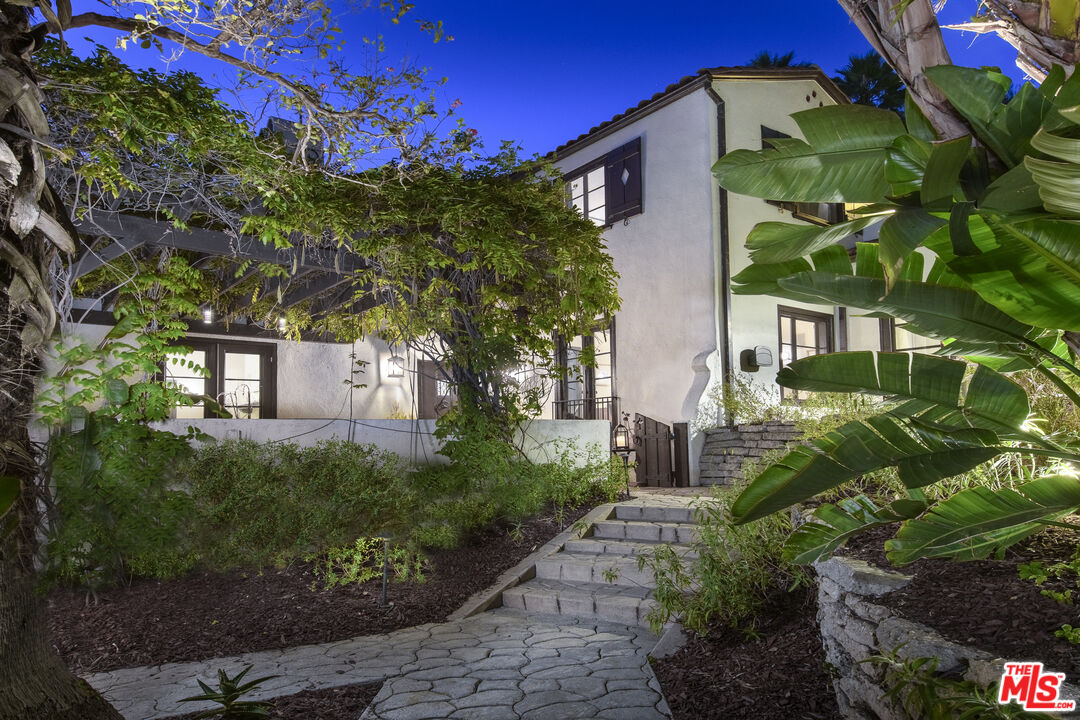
[[412, 440], [727, 448], [855, 627]]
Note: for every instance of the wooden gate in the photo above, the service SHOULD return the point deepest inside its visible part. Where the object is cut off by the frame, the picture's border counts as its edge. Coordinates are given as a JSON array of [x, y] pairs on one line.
[[654, 451]]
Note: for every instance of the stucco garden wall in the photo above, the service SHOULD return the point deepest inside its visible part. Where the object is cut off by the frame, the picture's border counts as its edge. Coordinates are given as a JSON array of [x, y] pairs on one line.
[[412, 440], [855, 627]]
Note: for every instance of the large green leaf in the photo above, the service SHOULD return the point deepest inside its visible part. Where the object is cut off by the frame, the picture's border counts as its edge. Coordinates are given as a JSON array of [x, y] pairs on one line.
[[1059, 185], [842, 162], [938, 311], [763, 279], [833, 525], [941, 182], [856, 449], [1028, 267], [901, 234], [988, 399], [775, 242], [977, 95], [976, 522]]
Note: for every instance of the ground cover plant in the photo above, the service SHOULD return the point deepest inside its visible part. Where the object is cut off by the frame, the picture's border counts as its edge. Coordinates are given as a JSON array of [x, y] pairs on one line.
[[151, 506]]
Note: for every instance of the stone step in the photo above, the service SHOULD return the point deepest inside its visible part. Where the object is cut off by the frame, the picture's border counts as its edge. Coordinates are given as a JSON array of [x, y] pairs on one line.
[[647, 531], [607, 546], [594, 568], [655, 513], [620, 604]]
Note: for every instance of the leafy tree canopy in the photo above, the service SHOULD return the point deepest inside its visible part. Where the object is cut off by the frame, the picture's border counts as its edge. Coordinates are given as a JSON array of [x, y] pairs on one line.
[[765, 59], [868, 80]]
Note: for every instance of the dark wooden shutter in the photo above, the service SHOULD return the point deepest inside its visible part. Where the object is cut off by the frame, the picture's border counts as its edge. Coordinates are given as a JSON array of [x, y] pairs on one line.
[[623, 181]]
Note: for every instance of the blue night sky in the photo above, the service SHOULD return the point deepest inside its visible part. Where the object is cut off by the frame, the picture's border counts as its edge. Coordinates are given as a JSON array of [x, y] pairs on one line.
[[542, 73]]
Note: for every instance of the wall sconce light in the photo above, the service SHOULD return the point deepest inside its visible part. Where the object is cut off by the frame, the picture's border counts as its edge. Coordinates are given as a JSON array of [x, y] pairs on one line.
[[754, 360], [208, 315], [395, 367], [281, 324]]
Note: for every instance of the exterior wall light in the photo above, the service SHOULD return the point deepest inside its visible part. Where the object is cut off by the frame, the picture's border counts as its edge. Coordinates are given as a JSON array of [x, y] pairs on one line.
[[281, 324], [395, 367], [208, 315]]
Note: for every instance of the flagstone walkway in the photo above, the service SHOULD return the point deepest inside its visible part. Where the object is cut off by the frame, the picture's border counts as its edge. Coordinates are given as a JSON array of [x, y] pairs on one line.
[[505, 663]]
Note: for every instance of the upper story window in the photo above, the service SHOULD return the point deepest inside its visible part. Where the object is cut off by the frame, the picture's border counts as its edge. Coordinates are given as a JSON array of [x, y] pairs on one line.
[[240, 378], [817, 213], [610, 188]]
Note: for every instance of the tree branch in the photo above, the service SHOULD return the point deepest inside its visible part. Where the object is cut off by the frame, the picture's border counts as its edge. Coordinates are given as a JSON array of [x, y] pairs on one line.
[[212, 50]]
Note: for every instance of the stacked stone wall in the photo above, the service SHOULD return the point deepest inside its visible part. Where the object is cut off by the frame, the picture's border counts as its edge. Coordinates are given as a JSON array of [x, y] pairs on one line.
[[854, 627], [727, 448]]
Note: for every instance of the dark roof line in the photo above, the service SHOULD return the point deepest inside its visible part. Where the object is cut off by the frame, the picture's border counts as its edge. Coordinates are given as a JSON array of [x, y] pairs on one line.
[[811, 72]]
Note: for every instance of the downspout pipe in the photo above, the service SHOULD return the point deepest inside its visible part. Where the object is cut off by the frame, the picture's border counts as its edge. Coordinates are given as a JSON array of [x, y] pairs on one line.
[[724, 280]]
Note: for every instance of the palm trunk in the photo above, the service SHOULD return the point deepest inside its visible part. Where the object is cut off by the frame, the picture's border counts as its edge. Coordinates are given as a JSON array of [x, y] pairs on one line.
[[34, 683]]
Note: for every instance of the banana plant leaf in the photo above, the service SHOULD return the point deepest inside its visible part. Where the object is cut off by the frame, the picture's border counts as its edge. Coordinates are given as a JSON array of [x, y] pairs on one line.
[[937, 311], [987, 399], [856, 449], [763, 278], [833, 525], [977, 95], [1027, 267], [776, 242], [843, 159], [976, 522]]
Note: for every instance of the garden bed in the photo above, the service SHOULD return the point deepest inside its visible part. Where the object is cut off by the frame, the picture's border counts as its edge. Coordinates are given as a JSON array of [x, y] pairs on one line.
[[205, 615], [984, 603], [729, 675]]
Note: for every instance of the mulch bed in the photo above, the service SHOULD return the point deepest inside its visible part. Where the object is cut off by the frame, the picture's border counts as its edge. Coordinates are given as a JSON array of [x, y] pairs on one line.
[[984, 603], [781, 674], [207, 615]]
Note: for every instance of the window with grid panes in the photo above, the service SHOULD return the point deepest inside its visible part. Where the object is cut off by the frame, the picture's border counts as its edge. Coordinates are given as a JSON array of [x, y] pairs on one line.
[[609, 188], [897, 338], [238, 375], [802, 333]]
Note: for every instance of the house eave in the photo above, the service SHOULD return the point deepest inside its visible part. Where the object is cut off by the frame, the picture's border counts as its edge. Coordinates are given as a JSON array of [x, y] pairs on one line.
[[686, 86]]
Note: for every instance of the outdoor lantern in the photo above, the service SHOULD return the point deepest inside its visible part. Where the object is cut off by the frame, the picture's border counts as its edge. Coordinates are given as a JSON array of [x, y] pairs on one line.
[[208, 314], [620, 441], [620, 438], [281, 323], [395, 367]]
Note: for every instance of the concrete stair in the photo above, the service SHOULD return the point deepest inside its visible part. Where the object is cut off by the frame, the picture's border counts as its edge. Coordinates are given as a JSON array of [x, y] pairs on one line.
[[596, 577]]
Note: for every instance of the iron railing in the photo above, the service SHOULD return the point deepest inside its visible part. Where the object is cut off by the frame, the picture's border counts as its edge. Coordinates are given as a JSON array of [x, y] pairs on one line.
[[601, 408]]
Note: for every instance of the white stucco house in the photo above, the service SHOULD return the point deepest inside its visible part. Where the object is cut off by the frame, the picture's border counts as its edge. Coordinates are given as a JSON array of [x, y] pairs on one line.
[[677, 239]]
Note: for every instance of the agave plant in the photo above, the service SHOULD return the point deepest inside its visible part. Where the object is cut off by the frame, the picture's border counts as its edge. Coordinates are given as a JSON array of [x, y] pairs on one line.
[[998, 213]]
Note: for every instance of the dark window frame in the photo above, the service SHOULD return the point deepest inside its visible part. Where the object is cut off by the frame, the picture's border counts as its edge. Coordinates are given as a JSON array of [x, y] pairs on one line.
[[588, 379], [791, 314], [215, 350], [612, 162]]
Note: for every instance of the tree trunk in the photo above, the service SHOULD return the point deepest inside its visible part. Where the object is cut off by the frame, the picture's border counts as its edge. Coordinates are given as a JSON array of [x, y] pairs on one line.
[[910, 44], [34, 683]]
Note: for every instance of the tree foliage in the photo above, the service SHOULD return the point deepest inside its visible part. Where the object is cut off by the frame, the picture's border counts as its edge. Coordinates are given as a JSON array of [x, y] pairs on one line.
[[997, 212], [868, 80]]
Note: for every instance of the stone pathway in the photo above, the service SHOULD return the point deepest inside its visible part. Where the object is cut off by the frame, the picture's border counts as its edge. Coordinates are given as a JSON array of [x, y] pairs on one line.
[[567, 645]]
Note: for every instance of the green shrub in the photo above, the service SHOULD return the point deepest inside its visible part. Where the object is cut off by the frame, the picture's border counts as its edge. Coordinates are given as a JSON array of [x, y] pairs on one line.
[[737, 569], [271, 502], [118, 510]]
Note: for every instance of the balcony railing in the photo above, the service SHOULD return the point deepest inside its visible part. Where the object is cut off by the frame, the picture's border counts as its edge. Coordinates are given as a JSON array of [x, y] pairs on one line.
[[601, 408]]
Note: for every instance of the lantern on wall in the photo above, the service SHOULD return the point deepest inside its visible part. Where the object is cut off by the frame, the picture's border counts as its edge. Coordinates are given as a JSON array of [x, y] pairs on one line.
[[395, 366]]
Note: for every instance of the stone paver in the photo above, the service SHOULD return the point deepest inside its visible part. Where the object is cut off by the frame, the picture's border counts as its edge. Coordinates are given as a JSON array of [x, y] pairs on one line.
[[504, 664]]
